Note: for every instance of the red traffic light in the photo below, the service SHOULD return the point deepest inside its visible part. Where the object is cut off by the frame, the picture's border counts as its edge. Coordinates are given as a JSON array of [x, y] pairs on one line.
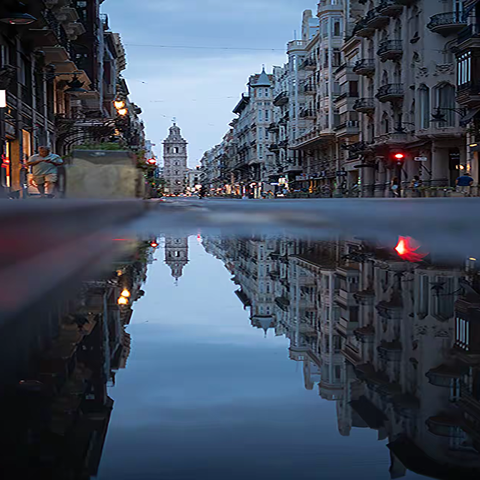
[[151, 161], [399, 156], [154, 244], [407, 249]]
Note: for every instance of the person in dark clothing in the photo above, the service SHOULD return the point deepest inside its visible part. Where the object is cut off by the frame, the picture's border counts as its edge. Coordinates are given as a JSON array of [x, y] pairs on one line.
[[464, 183]]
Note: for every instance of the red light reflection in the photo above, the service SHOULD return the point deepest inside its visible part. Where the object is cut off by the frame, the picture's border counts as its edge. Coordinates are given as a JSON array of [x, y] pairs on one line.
[[407, 249]]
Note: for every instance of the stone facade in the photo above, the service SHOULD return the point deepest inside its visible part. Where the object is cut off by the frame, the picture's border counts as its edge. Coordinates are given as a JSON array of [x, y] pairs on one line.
[[175, 161]]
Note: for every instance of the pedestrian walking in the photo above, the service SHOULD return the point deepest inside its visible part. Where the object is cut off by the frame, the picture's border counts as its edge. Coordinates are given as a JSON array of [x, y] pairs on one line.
[[44, 167], [415, 185], [395, 187], [464, 184]]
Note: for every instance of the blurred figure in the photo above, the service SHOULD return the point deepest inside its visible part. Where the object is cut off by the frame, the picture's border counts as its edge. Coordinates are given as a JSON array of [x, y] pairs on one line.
[[464, 184], [415, 185], [395, 187], [45, 171], [202, 192]]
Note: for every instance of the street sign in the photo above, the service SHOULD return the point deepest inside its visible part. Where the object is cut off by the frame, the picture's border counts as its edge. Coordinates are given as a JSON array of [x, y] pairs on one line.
[[341, 174], [421, 159]]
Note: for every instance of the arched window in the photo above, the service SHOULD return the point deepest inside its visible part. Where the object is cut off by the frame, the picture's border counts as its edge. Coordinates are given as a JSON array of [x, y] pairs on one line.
[[424, 102], [445, 100]]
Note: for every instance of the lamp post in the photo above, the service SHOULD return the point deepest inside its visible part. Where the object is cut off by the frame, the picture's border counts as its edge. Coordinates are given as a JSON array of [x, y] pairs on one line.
[[439, 117]]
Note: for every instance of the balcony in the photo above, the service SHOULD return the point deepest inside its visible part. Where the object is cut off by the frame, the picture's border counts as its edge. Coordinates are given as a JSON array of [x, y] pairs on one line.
[[374, 19], [310, 89], [309, 64], [390, 8], [361, 29], [365, 67], [365, 334], [283, 144], [469, 38], [391, 92], [308, 113], [281, 99], [274, 147], [390, 50], [348, 129], [445, 425], [468, 94], [390, 351], [445, 375], [447, 23], [293, 167], [364, 105], [273, 127]]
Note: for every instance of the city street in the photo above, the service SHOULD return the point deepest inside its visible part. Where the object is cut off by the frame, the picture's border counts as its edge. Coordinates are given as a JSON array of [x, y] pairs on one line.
[[239, 240]]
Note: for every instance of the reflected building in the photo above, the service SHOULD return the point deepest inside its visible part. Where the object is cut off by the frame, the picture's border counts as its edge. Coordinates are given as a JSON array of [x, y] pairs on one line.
[[59, 408], [395, 344], [176, 255]]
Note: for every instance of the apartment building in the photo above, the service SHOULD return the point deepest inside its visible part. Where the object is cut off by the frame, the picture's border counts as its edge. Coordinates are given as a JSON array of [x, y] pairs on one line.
[[60, 70], [253, 160], [467, 51], [407, 94]]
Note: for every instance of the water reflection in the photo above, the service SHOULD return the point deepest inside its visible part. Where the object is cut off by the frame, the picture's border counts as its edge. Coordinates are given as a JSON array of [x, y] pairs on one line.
[[60, 362], [394, 343]]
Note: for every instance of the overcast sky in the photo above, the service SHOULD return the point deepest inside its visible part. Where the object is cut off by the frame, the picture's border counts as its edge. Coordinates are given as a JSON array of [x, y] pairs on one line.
[[199, 87]]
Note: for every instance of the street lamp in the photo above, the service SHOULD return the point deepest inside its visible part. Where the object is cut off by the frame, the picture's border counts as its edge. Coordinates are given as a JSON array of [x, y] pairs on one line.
[[17, 15], [438, 116], [75, 86]]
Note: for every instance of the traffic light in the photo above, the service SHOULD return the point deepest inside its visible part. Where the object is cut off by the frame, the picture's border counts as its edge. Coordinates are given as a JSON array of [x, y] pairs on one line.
[[398, 157], [151, 161]]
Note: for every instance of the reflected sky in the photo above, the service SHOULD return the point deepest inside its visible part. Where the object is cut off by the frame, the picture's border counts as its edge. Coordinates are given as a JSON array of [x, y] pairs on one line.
[[206, 395]]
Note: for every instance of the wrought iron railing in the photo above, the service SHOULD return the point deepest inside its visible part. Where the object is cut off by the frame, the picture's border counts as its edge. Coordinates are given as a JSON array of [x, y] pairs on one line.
[[390, 89], [390, 46], [449, 18]]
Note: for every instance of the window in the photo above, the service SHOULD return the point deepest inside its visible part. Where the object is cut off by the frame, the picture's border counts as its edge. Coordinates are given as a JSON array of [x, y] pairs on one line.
[[336, 29], [260, 115], [267, 116], [445, 98], [464, 69], [267, 92], [424, 99]]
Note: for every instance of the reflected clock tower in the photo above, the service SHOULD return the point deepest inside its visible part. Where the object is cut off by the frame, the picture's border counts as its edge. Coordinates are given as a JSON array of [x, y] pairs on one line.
[[176, 255]]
